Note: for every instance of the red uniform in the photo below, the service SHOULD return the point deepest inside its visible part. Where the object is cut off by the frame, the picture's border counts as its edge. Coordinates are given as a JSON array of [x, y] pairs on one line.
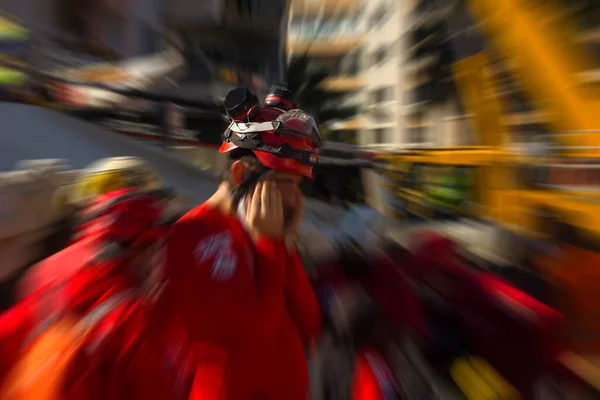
[[85, 290], [231, 323], [253, 302], [123, 215], [75, 280]]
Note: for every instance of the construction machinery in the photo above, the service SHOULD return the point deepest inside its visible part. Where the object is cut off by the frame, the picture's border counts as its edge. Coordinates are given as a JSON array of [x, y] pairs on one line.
[[521, 67]]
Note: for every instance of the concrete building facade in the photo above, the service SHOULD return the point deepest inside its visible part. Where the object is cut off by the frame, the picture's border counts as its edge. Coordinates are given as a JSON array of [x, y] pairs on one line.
[[331, 34], [383, 72], [396, 103]]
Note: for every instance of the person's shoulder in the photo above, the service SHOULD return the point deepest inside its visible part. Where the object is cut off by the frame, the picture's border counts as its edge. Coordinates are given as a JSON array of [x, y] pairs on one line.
[[199, 224], [200, 218], [202, 213]]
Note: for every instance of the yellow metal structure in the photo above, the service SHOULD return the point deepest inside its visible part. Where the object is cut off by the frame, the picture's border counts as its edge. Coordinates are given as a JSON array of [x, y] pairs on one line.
[[539, 47], [556, 195], [411, 174], [479, 95], [553, 195]]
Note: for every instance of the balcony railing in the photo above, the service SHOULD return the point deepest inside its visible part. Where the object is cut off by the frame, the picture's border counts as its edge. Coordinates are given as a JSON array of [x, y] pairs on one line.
[[423, 93], [348, 101], [325, 31], [324, 7], [343, 83]]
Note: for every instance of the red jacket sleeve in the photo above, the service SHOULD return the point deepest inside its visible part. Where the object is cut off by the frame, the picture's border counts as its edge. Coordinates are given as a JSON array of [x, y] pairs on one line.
[[301, 300], [212, 282]]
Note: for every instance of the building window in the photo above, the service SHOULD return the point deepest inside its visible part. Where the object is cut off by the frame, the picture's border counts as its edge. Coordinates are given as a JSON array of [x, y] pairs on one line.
[[380, 114], [382, 95], [415, 135], [380, 55], [350, 64], [380, 135], [379, 17]]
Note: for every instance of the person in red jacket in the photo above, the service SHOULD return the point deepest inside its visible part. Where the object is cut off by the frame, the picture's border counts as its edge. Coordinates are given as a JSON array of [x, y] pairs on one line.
[[237, 314], [111, 229], [235, 280], [114, 256]]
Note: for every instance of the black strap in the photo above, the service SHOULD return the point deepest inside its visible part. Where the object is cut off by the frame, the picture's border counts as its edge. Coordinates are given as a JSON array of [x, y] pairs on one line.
[[248, 184], [285, 151]]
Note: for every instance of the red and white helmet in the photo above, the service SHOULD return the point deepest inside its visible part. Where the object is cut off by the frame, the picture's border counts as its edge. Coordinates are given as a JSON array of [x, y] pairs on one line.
[[281, 140]]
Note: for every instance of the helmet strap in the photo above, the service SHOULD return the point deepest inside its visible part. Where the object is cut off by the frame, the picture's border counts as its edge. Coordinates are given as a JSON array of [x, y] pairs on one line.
[[248, 184]]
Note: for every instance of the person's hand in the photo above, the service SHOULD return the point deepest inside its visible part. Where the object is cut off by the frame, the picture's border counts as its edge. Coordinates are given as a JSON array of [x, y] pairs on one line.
[[264, 215], [291, 230]]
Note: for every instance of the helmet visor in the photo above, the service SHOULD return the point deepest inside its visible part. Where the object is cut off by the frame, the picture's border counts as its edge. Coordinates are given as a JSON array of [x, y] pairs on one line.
[[299, 123]]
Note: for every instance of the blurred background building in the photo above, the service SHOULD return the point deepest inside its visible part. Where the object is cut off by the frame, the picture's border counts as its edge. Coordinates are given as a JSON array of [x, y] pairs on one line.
[[225, 43], [384, 73], [330, 35], [443, 33], [434, 111], [72, 33], [229, 42]]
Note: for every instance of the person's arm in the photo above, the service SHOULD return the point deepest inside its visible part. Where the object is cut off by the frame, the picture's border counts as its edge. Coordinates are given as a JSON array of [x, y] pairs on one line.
[[209, 278], [301, 300]]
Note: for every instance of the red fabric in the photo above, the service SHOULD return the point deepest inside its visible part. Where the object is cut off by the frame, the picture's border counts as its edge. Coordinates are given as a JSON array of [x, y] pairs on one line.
[[82, 279], [125, 357], [365, 385], [518, 335], [57, 268], [245, 312], [15, 325], [19, 322], [238, 337], [230, 308], [301, 301], [63, 282], [373, 379], [388, 284], [429, 248], [73, 280], [135, 219]]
